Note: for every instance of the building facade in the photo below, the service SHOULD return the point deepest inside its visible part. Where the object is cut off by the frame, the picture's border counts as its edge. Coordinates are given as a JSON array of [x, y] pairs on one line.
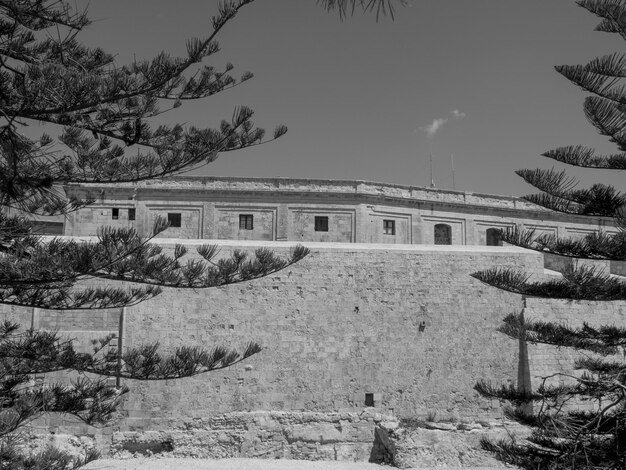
[[281, 209]]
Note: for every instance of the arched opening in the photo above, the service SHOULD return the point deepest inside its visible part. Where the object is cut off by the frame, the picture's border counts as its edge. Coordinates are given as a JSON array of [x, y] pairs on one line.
[[493, 237], [443, 234]]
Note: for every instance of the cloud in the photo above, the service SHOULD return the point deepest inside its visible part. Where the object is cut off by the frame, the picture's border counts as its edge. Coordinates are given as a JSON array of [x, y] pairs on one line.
[[435, 126], [457, 114], [432, 128]]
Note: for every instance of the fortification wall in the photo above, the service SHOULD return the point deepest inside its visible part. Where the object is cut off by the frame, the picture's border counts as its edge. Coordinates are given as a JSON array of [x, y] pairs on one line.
[[404, 326]]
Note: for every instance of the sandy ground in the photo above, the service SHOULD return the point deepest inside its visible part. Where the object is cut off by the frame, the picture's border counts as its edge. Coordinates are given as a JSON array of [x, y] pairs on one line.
[[239, 464], [226, 464]]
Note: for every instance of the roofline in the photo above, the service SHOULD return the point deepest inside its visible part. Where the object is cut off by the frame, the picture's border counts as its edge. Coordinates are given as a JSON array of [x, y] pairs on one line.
[[358, 188], [277, 180]]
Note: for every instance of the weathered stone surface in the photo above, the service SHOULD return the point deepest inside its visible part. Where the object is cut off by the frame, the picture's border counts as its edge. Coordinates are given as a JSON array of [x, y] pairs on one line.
[[440, 426], [296, 435], [427, 447], [405, 325]]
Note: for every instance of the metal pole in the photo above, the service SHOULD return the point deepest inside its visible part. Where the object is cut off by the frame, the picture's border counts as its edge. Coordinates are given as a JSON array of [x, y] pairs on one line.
[[453, 182], [432, 179]]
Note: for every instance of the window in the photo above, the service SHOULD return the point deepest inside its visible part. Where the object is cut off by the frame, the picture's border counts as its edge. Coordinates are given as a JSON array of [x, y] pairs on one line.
[[443, 234], [389, 227], [174, 219], [246, 221], [321, 224], [115, 213], [493, 237], [131, 214]]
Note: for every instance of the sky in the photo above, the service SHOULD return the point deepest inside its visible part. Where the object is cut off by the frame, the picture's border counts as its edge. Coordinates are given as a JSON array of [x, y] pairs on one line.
[[367, 100]]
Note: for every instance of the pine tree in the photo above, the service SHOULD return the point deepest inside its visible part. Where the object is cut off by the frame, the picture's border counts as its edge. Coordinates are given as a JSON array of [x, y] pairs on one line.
[[580, 423], [102, 114]]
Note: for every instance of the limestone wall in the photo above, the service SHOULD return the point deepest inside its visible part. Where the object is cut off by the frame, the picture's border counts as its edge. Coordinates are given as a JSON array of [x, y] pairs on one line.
[[402, 327], [406, 324]]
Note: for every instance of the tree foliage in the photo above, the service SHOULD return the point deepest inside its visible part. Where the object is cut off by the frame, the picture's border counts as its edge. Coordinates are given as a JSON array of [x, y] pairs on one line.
[[348, 7], [103, 118], [102, 126], [581, 423]]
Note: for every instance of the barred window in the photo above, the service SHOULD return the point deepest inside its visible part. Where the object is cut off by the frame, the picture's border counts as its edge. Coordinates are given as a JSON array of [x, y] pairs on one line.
[[174, 219], [131, 214], [321, 224], [443, 234], [246, 221], [389, 227]]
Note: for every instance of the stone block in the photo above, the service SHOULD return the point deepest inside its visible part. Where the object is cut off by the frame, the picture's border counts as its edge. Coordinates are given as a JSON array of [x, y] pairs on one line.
[[323, 433]]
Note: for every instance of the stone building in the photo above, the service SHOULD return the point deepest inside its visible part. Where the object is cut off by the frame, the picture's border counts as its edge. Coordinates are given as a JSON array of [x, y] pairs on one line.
[[281, 209], [389, 323]]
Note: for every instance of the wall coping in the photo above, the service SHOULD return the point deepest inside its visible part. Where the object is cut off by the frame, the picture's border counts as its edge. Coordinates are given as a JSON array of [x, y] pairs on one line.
[[321, 186], [326, 246]]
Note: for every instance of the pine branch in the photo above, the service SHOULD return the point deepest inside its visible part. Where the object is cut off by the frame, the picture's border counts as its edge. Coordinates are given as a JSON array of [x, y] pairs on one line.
[[49, 458], [46, 277], [578, 283], [559, 193], [608, 118], [603, 340], [348, 7], [610, 11], [593, 246], [586, 158], [41, 352]]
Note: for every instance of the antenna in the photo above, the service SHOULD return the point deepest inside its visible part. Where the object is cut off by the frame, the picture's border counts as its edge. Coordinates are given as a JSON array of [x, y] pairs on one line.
[[453, 183], [432, 179]]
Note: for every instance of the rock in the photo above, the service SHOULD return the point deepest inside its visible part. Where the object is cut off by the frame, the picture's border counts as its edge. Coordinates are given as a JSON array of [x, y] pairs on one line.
[[440, 426], [434, 445], [469, 426], [389, 425]]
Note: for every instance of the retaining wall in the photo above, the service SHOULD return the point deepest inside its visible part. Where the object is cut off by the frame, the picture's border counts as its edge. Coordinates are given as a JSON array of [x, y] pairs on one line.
[[404, 326]]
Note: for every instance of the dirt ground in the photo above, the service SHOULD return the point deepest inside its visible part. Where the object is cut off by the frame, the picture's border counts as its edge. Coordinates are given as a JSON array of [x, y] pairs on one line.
[[153, 463], [225, 464]]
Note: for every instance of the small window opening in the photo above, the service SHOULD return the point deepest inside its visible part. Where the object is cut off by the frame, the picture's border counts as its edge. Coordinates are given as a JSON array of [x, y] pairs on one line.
[[131, 214], [443, 234], [321, 224], [115, 213], [369, 399], [389, 227], [174, 219], [246, 221], [493, 237]]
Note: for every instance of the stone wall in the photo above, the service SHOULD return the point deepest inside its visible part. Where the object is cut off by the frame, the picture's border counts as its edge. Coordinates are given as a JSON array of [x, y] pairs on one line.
[[404, 328], [261, 434], [405, 324]]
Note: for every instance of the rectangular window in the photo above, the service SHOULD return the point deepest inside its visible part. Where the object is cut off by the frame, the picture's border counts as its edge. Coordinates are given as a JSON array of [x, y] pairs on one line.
[[246, 222], [174, 219], [321, 224], [389, 227], [131, 214], [115, 213]]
